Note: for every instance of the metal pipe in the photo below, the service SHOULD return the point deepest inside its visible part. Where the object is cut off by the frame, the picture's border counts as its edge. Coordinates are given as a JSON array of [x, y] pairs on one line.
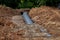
[[27, 18]]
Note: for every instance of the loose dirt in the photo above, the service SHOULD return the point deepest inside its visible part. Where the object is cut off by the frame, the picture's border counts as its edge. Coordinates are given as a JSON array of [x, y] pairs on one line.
[[13, 27], [48, 17]]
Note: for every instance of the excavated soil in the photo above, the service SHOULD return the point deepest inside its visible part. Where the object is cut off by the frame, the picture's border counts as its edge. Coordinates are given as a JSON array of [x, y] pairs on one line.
[[13, 27], [48, 17]]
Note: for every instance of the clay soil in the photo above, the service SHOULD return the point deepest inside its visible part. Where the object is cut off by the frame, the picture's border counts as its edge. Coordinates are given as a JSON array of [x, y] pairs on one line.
[[13, 26]]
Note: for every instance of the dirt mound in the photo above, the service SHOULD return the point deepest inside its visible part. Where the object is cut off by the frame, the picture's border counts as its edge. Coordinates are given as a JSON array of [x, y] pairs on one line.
[[48, 17], [13, 27], [6, 25], [7, 11]]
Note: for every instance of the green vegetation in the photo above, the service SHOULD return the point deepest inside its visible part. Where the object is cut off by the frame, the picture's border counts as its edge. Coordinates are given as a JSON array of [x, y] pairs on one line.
[[28, 3], [31, 3]]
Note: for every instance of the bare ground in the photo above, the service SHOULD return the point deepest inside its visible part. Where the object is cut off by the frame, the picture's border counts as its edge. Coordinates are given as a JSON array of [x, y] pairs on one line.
[[48, 17], [13, 27]]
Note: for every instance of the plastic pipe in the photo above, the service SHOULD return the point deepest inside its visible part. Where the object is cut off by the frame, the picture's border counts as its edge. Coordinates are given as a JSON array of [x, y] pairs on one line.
[[27, 18]]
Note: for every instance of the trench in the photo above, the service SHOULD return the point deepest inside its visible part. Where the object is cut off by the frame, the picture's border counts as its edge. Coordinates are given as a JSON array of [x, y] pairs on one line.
[[30, 27]]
